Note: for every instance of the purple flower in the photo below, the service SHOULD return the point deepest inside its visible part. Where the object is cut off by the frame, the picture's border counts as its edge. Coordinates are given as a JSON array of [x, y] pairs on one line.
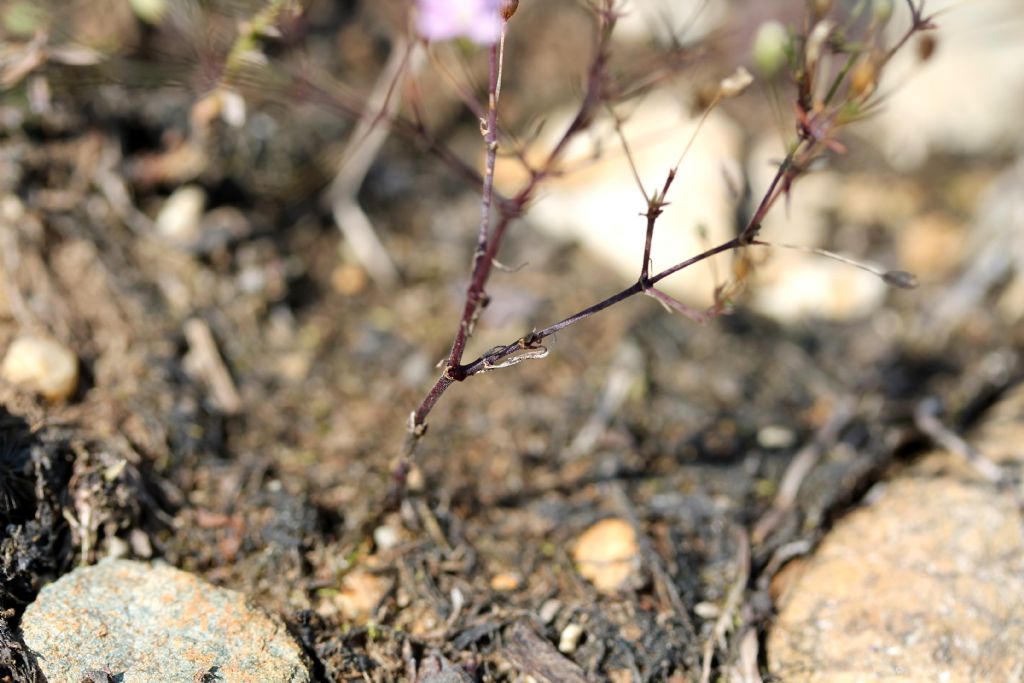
[[477, 20]]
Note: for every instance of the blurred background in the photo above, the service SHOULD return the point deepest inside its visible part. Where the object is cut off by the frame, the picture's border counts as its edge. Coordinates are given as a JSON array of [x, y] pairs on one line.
[[248, 291]]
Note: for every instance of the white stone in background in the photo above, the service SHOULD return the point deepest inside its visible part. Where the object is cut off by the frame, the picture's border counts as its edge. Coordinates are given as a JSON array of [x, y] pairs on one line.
[[178, 220], [817, 288], [792, 286], [800, 218], [43, 365], [663, 20], [994, 256], [969, 97], [598, 203]]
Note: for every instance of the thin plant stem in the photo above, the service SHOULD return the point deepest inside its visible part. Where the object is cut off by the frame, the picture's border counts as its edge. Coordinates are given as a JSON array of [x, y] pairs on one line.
[[531, 341], [510, 209], [814, 137], [480, 269]]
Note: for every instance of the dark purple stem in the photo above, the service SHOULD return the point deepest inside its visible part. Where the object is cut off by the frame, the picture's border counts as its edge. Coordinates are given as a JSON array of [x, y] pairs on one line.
[[481, 264], [655, 205], [531, 341], [454, 370]]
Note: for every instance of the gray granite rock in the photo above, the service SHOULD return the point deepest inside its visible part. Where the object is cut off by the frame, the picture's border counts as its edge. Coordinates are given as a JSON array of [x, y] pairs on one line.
[[151, 622]]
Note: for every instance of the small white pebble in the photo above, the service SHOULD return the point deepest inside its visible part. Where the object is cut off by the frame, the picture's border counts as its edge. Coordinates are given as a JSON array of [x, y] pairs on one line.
[[117, 547], [178, 220], [706, 610], [549, 610], [252, 279], [11, 209], [140, 543], [43, 365], [385, 537], [458, 600], [775, 436], [570, 638]]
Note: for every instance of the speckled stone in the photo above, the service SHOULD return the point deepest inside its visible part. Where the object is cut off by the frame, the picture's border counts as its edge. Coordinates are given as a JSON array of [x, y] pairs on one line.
[[152, 622], [926, 583]]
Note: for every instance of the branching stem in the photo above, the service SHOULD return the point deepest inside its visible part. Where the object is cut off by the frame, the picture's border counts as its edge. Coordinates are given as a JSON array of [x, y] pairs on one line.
[[815, 130]]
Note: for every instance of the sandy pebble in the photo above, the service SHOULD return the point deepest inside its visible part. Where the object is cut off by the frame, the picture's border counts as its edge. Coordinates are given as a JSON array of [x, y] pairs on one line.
[[506, 581], [361, 592], [41, 364], [607, 554], [178, 220], [926, 580], [386, 537], [569, 640], [549, 610]]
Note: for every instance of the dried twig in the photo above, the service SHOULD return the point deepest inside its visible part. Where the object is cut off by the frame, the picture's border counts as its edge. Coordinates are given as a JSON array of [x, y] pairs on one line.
[[725, 622], [205, 361], [926, 417], [624, 373], [799, 467], [538, 659], [363, 146]]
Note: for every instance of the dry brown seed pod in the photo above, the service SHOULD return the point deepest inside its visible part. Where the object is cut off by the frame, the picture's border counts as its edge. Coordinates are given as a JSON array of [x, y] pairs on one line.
[[926, 47], [508, 8]]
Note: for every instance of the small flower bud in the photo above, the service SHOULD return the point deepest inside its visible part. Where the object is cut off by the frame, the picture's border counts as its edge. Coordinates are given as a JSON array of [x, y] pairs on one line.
[[816, 43], [864, 76], [736, 84], [926, 47], [820, 7], [881, 11], [900, 278], [149, 11], [508, 8], [771, 45]]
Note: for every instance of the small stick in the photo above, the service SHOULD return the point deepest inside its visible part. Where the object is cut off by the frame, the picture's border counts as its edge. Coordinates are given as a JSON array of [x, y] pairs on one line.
[[625, 371], [799, 467], [926, 418], [363, 147], [665, 586], [205, 360], [732, 603]]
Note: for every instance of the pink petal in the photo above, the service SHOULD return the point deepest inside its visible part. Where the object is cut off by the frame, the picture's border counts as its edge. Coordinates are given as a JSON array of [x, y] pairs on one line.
[[477, 20]]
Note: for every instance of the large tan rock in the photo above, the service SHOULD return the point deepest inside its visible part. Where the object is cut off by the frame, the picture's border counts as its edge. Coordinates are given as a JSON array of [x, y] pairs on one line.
[[924, 584], [152, 622], [968, 97]]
